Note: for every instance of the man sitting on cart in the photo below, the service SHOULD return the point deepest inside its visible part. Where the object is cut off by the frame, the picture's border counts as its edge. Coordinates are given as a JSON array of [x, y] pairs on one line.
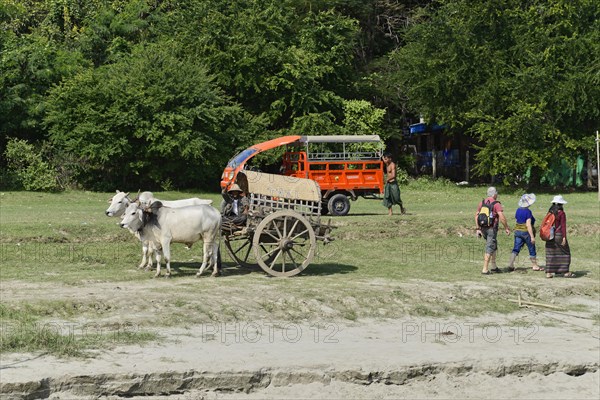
[[235, 208]]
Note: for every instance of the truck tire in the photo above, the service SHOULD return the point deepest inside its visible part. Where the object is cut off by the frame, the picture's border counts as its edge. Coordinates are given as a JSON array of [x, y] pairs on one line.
[[339, 205]]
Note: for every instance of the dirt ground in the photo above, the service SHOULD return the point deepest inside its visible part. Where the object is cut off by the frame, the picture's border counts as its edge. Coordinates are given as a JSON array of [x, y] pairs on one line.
[[536, 352], [441, 386]]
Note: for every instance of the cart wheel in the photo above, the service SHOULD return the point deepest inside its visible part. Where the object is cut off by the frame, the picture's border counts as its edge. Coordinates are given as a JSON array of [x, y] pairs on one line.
[[239, 249], [339, 204], [284, 243]]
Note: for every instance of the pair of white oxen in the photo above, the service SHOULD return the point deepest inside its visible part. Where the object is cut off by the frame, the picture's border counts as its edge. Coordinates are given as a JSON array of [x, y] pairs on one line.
[[157, 224]]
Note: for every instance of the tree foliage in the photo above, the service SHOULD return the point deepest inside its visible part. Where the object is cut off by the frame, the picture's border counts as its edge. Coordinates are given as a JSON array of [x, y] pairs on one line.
[[278, 59], [518, 76], [161, 93], [31, 171], [153, 115]]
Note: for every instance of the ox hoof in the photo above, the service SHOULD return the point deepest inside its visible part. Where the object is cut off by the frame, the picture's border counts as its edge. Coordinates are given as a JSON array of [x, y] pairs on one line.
[[156, 276], [198, 274]]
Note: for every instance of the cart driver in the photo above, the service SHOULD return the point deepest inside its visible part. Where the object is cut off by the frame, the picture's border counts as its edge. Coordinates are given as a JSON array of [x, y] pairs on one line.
[[235, 209]]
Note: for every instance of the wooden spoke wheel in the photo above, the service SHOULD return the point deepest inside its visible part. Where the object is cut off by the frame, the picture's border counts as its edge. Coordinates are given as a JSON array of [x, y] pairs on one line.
[[239, 248], [284, 243]]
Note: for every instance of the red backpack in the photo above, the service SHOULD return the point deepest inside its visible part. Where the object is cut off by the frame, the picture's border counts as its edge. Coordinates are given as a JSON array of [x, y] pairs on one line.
[[547, 228]]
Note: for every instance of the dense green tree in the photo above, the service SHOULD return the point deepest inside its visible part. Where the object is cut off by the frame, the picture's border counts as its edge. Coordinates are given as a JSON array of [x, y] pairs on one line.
[[31, 62], [279, 59], [153, 116], [383, 23], [150, 88], [115, 27], [80, 73], [520, 76]]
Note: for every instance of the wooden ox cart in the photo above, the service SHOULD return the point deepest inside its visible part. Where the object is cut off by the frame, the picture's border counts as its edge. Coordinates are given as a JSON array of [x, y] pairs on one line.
[[283, 224]]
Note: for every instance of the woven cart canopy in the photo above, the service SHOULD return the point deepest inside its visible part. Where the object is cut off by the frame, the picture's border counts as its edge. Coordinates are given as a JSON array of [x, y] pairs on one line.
[[287, 187]]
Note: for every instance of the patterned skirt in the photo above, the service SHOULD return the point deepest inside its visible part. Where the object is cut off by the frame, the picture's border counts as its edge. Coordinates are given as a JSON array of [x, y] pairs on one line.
[[391, 195], [558, 257]]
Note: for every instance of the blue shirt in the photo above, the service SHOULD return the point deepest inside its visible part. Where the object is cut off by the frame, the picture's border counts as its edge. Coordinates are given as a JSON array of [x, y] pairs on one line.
[[523, 214]]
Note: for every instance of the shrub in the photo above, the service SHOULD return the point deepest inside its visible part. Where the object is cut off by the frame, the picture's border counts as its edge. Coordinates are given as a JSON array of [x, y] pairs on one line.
[[426, 182], [27, 166], [402, 176]]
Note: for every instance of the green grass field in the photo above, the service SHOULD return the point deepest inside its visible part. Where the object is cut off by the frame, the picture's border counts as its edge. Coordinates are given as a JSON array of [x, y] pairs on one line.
[[425, 263]]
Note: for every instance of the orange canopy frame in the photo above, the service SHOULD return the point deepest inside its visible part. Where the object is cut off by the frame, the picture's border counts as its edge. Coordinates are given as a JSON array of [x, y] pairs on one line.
[[239, 160]]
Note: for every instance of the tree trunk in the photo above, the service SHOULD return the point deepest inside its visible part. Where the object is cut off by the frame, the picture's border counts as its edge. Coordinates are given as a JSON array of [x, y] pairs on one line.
[[534, 178]]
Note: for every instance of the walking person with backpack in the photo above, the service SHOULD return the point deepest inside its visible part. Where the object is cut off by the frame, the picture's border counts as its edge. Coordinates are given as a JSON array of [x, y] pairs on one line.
[[524, 232], [487, 218], [554, 232]]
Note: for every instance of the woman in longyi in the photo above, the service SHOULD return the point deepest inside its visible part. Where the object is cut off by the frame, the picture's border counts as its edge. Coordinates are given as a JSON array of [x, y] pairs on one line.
[[558, 253]]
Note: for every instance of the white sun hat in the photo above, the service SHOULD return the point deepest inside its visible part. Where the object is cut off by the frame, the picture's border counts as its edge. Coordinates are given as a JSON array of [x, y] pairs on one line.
[[526, 200], [559, 200]]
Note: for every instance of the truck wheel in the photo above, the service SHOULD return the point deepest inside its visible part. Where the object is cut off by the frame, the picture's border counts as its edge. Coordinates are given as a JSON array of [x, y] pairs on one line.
[[339, 205]]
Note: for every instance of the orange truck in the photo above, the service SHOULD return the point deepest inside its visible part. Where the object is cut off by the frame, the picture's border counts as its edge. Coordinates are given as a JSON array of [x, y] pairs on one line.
[[345, 167]]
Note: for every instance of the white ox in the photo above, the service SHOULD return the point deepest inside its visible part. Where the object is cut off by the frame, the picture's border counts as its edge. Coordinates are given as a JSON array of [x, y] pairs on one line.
[[162, 226], [120, 201]]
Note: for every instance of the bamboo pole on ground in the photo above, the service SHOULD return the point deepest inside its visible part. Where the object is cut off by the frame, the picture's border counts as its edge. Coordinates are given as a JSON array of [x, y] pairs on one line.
[[523, 303]]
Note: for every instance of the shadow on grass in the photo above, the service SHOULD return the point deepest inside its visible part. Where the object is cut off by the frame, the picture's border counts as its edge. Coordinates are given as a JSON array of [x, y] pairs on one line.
[[542, 272], [187, 269], [351, 214], [183, 269], [328, 269], [574, 274]]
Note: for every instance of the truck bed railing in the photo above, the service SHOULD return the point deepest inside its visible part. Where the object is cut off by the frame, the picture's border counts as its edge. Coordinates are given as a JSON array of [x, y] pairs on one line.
[[345, 156]]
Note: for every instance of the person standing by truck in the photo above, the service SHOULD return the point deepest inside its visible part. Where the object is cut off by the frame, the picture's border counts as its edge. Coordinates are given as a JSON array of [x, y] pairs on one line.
[[391, 193]]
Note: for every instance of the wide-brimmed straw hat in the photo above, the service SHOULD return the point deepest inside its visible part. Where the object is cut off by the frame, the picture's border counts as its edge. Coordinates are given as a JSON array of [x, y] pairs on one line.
[[526, 200], [559, 200], [234, 188]]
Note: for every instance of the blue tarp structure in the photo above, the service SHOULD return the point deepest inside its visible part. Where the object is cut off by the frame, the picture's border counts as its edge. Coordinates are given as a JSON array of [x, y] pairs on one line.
[[416, 129], [444, 158]]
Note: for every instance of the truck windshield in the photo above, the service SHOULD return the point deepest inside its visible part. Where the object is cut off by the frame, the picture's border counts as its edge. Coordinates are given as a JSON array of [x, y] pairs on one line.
[[241, 158]]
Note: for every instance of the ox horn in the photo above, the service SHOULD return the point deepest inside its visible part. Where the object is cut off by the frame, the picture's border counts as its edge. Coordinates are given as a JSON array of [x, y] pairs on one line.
[[137, 197]]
